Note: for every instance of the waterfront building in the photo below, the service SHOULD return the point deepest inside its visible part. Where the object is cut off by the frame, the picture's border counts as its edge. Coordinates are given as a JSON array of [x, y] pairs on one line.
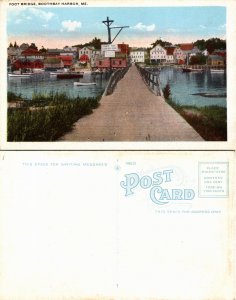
[[88, 50], [189, 50], [70, 49], [216, 60], [27, 63], [32, 53], [117, 62], [52, 63], [158, 54], [54, 52], [124, 48], [67, 60], [137, 55], [13, 53], [170, 54], [96, 54], [179, 56]]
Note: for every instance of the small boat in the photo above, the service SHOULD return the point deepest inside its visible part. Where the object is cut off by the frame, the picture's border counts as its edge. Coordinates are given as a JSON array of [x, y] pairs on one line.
[[211, 95], [28, 73], [38, 71], [217, 70], [19, 75], [84, 83], [196, 70], [59, 71], [69, 75], [191, 70], [186, 70]]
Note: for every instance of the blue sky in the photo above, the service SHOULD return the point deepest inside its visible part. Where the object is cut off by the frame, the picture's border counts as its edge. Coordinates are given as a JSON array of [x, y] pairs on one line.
[[60, 26]]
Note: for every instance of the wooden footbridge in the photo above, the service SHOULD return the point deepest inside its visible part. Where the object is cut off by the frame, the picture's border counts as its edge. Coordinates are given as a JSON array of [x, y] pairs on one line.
[[132, 113]]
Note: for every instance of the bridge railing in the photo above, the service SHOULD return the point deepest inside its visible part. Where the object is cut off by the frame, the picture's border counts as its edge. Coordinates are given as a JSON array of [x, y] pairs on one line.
[[115, 77], [151, 78]]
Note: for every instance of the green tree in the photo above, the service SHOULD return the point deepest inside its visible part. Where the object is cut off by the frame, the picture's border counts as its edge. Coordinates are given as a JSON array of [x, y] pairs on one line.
[[166, 91], [15, 45], [211, 44], [201, 44], [33, 46], [96, 43], [43, 50], [162, 43], [198, 59], [10, 45]]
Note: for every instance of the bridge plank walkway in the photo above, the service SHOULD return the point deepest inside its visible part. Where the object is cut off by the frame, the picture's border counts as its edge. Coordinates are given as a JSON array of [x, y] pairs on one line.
[[132, 113]]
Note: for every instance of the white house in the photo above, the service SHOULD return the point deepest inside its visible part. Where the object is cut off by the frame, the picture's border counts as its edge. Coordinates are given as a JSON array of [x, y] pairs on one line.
[[137, 55], [158, 54], [179, 54], [88, 50]]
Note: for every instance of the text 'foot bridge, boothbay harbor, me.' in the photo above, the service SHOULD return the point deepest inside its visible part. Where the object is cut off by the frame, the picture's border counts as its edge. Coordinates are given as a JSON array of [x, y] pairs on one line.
[[132, 112]]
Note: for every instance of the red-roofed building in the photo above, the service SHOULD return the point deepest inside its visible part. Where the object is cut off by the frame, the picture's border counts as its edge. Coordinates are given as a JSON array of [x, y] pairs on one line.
[[170, 54], [27, 64], [179, 56], [184, 52], [114, 63], [187, 47], [66, 60], [32, 53], [124, 48]]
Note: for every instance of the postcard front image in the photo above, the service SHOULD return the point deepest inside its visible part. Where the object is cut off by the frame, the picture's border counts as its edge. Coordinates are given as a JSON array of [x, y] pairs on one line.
[[86, 76]]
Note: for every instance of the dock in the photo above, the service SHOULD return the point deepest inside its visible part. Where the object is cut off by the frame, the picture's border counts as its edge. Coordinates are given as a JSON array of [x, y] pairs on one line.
[[132, 113]]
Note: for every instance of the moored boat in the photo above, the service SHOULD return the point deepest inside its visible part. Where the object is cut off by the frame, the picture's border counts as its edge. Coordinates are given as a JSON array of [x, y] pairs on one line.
[[192, 70], [217, 70], [84, 83], [19, 75], [69, 75], [186, 70]]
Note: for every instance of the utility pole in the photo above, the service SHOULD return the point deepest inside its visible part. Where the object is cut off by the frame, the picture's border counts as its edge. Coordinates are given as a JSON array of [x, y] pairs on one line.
[[108, 23]]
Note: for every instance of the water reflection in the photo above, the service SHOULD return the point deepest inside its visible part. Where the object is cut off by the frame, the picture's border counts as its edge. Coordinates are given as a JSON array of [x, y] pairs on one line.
[[44, 83], [184, 85]]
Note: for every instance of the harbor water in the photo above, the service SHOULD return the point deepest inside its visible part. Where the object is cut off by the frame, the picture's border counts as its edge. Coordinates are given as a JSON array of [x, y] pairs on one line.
[[45, 83], [183, 86]]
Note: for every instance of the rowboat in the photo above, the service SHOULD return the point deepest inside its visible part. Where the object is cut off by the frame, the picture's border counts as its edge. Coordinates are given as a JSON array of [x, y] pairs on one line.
[[84, 83], [217, 70], [19, 75]]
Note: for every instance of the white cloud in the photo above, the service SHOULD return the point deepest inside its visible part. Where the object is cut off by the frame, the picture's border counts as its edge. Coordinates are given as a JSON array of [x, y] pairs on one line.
[[222, 27], [46, 16], [142, 27], [18, 21], [70, 26], [24, 13]]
